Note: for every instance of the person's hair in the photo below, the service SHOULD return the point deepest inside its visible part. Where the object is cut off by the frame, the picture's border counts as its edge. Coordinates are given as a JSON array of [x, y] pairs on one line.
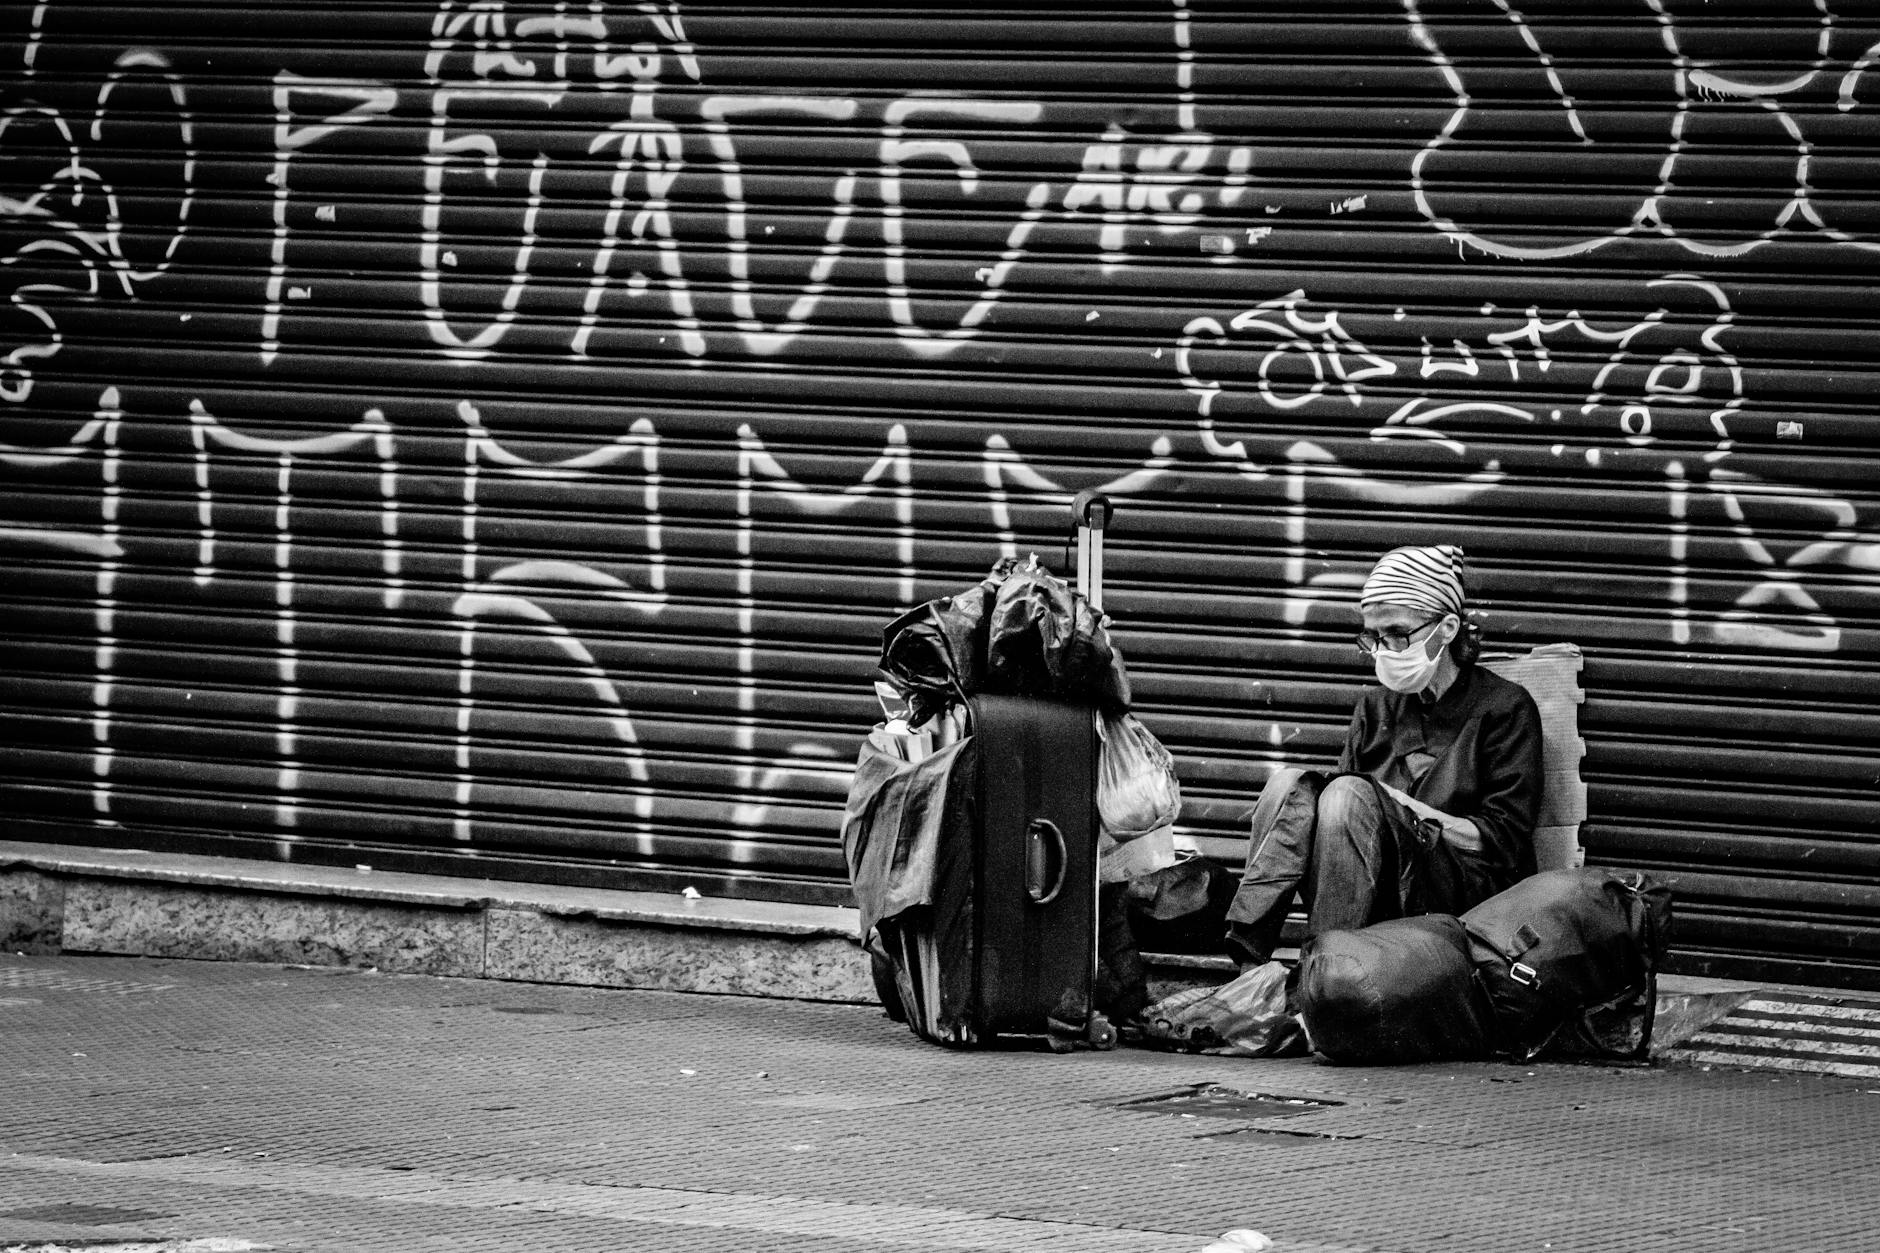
[[1467, 645]]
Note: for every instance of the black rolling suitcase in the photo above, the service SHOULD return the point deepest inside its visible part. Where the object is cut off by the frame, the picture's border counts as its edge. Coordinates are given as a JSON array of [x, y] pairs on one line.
[[1013, 926], [1009, 945]]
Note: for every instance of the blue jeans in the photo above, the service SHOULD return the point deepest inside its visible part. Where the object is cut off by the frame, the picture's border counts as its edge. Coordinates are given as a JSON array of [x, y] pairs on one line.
[[1354, 853]]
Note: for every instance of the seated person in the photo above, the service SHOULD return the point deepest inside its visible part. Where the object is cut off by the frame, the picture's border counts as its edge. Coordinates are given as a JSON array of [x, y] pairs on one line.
[[1433, 804]]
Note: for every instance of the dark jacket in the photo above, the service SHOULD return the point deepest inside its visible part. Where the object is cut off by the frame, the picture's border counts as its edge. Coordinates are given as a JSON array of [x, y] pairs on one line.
[[1475, 753]]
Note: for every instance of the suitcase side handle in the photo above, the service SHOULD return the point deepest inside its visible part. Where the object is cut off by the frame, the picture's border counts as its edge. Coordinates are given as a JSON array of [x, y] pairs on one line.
[[1044, 849]]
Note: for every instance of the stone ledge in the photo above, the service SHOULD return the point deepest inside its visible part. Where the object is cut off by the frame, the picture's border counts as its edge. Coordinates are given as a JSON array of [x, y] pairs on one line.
[[55, 898], [437, 891]]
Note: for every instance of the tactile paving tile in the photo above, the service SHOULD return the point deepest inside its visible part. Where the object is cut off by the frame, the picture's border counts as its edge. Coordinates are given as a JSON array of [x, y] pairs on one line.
[[1824, 1035]]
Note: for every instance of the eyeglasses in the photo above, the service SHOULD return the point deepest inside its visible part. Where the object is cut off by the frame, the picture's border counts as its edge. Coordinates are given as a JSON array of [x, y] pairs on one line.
[[1393, 641]]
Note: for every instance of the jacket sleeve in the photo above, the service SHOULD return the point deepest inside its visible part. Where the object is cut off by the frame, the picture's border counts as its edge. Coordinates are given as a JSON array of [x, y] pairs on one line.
[[1509, 785]]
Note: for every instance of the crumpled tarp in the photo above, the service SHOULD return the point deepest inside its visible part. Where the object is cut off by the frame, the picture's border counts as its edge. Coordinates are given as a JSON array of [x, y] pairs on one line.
[[1045, 639], [935, 654], [892, 826], [1020, 630]]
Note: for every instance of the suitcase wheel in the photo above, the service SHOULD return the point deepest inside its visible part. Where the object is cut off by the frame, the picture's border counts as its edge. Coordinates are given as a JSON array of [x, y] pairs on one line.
[[1100, 1032]]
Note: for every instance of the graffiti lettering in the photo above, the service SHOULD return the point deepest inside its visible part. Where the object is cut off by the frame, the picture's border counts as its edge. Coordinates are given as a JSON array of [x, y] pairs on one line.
[[107, 547], [370, 100], [206, 429], [760, 338], [1667, 371], [502, 595], [577, 177], [758, 469], [896, 149], [1757, 111], [1666, 375], [1003, 465]]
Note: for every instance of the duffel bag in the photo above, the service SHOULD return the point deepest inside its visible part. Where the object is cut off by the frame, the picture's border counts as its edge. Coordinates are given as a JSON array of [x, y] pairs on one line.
[[1397, 991], [1569, 962]]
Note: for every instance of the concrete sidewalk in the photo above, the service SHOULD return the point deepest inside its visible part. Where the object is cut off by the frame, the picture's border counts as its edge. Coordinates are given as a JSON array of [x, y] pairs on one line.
[[246, 1106]]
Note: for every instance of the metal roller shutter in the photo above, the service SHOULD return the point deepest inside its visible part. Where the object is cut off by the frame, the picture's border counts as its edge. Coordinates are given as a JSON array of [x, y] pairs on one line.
[[487, 436]]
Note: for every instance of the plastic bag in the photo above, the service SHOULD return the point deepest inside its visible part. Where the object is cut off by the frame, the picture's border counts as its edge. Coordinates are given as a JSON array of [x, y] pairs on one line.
[[1145, 855], [1245, 1018], [1137, 791]]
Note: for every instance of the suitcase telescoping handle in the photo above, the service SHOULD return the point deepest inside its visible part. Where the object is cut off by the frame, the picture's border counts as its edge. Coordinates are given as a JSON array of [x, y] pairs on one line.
[[1091, 512], [1045, 861]]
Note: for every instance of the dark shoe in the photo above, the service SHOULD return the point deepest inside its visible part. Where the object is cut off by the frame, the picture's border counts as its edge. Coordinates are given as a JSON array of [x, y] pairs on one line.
[[1246, 944]]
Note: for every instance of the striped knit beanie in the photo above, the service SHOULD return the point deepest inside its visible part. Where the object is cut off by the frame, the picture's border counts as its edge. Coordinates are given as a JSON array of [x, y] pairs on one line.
[[1419, 576]]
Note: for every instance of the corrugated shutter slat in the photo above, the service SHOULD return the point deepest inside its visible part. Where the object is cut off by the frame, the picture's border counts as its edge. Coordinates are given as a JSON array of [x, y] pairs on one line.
[[439, 435]]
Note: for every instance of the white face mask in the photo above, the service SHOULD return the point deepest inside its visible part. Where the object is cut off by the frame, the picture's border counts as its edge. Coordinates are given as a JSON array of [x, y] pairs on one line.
[[1408, 671], [1412, 669]]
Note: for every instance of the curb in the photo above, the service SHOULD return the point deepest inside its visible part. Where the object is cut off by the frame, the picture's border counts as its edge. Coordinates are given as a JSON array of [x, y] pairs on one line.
[[55, 899]]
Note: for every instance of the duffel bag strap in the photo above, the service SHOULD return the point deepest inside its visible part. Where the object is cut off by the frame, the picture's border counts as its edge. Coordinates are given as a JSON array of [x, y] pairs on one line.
[[1525, 938]]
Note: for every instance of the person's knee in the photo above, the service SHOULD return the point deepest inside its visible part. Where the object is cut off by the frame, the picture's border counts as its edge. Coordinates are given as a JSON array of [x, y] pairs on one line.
[[1351, 857], [1347, 808], [1283, 782], [1283, 778], [1289, 799]]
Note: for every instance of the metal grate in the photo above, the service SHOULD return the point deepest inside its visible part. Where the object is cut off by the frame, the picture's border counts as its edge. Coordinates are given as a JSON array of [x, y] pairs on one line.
[[1212, 1100]]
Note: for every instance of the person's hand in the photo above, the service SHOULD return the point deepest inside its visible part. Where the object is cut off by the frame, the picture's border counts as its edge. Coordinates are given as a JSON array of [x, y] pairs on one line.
[[1458, 830]]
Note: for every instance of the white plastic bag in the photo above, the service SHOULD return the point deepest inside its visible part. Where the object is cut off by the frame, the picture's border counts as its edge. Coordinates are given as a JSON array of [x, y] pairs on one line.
[[1124, 863], [1137, 791], [1244, 1018]]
